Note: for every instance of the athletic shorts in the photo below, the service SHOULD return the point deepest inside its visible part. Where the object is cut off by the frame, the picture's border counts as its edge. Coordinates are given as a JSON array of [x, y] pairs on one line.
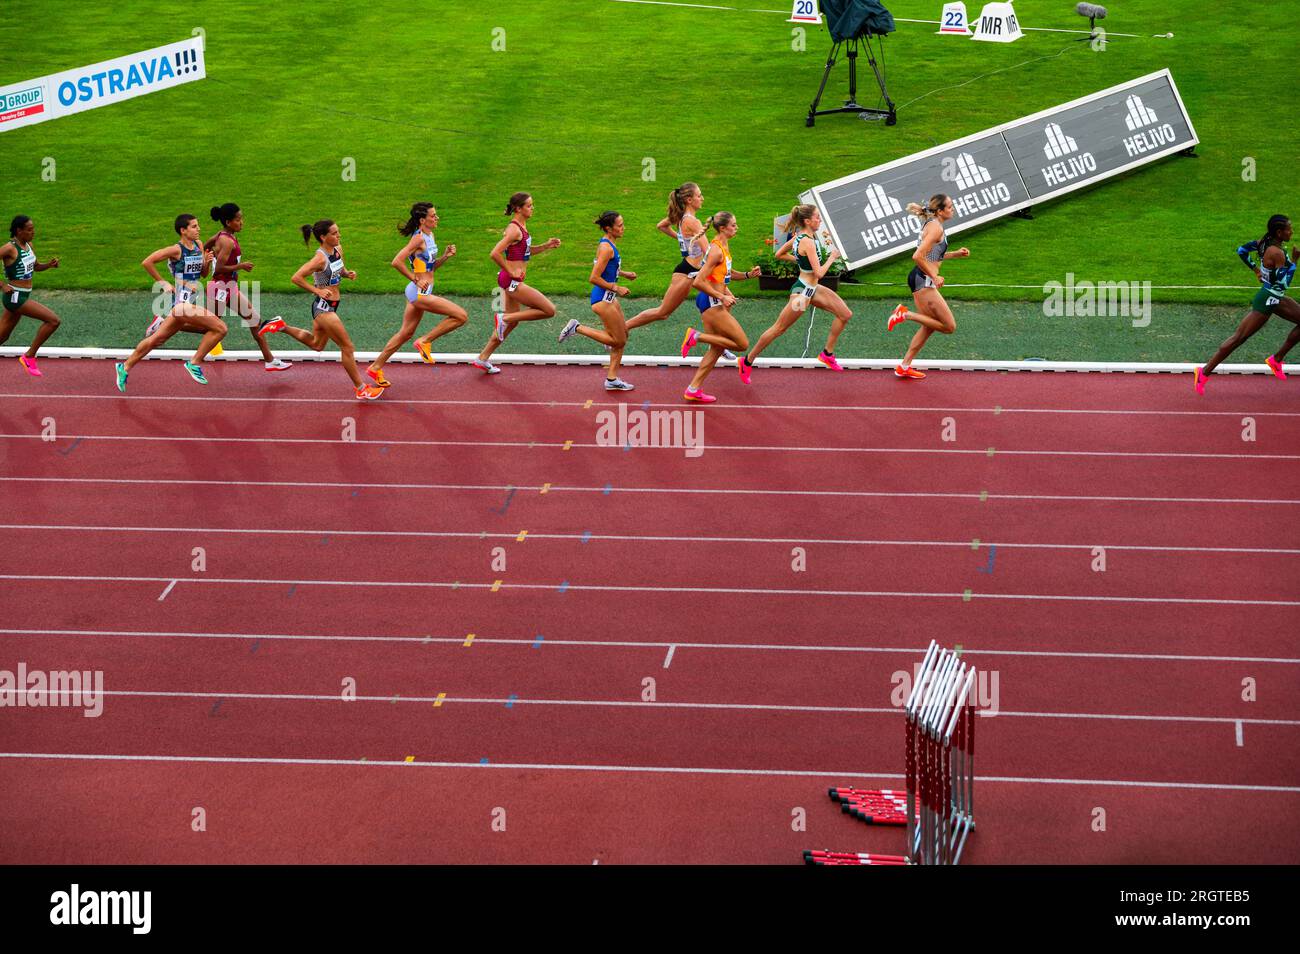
[[14, 299], [684, 267], [704, 301], [599, 294], [917, 279], [221, 294], [319, 306], [413, 292], [799, 288], [1265, 300], [506, 283]]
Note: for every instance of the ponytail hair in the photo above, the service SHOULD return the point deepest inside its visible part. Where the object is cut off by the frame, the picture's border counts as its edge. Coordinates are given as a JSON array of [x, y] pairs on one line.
[[677, 202], [719, 220], [516, 202], [318, 229], [800, 216], [418, 212], [606, 220], [224, 213], [183, 221], [19, 222], [1275, 225], [931, 209]]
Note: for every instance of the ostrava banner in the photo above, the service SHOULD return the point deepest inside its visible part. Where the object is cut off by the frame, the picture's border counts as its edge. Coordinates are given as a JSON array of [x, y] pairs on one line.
[[998, 171], [89, 87]]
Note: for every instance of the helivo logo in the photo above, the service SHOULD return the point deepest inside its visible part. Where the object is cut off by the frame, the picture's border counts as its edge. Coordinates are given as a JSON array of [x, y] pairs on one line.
[[965, 173], [1060, 145], [892, 227], [1139, 116], [969, 173]]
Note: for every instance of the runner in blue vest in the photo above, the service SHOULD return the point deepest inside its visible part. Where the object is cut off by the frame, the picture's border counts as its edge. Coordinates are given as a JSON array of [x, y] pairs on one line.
[[606, 270]]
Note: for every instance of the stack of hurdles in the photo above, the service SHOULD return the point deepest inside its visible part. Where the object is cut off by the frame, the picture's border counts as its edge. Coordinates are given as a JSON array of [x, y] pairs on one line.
[[938, 807]]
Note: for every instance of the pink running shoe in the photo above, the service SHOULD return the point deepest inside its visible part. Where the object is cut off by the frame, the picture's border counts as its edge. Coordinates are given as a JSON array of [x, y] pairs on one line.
[[896, 317], [828, 359], [1198, 381], [29, 365], [1275, 366], [698, 396], [746, 369], [270, 327], [688, 342]]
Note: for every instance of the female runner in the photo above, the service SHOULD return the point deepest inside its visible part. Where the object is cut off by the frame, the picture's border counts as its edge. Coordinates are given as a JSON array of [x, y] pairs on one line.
[[327, 270], [522, 301], [605, 293], [16, 287], [224, 294], [721, 329], [932, 312], [1275, 271], [807, 291], [188, 261], [417, 261]]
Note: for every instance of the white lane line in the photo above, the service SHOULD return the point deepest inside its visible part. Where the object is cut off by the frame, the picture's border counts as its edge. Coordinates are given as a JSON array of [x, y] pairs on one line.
[[553, 445], [643, 769], [166, 591], [638, 704], [669, 658], [609, 588], [1239, 741], [631, 644], [601, 405], [506, 488], [637, 538]]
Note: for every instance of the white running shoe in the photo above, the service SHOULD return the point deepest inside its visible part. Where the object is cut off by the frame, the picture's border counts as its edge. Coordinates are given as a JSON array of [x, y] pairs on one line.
[[487, 367], [278, 364], [570, 330], [728, 356], [618, 384], [154, 326], [501, 330]]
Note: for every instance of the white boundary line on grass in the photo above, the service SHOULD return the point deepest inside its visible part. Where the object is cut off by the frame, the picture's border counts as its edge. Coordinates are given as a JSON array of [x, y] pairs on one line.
[[565, 586], [673, 361], [701, 6], [643, 769], [640, 538], [633, 644]]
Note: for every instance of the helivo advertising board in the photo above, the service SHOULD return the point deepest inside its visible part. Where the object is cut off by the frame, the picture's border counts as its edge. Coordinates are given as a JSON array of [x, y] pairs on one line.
[[998, 171]]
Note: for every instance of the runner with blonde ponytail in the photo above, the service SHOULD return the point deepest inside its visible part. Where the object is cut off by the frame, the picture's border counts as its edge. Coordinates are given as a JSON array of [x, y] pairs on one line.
[[932, 312]]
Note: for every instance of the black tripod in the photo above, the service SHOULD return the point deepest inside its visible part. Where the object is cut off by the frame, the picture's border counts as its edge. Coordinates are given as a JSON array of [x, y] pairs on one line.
[[851, 104]]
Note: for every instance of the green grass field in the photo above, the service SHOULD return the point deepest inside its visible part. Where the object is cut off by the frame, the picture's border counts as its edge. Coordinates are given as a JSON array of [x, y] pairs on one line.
[[586, 96]]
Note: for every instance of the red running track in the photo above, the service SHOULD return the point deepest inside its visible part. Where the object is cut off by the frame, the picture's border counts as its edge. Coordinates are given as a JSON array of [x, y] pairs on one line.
[[657, 674]]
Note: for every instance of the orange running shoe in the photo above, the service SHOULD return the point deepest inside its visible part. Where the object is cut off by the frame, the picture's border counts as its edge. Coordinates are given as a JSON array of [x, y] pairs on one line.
[[896, 318], [368, 392], [908, 372], [378, 377], [425, 354]]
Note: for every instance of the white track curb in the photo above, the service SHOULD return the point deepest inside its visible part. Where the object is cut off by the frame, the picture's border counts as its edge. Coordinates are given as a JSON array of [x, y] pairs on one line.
[[871, 364]]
